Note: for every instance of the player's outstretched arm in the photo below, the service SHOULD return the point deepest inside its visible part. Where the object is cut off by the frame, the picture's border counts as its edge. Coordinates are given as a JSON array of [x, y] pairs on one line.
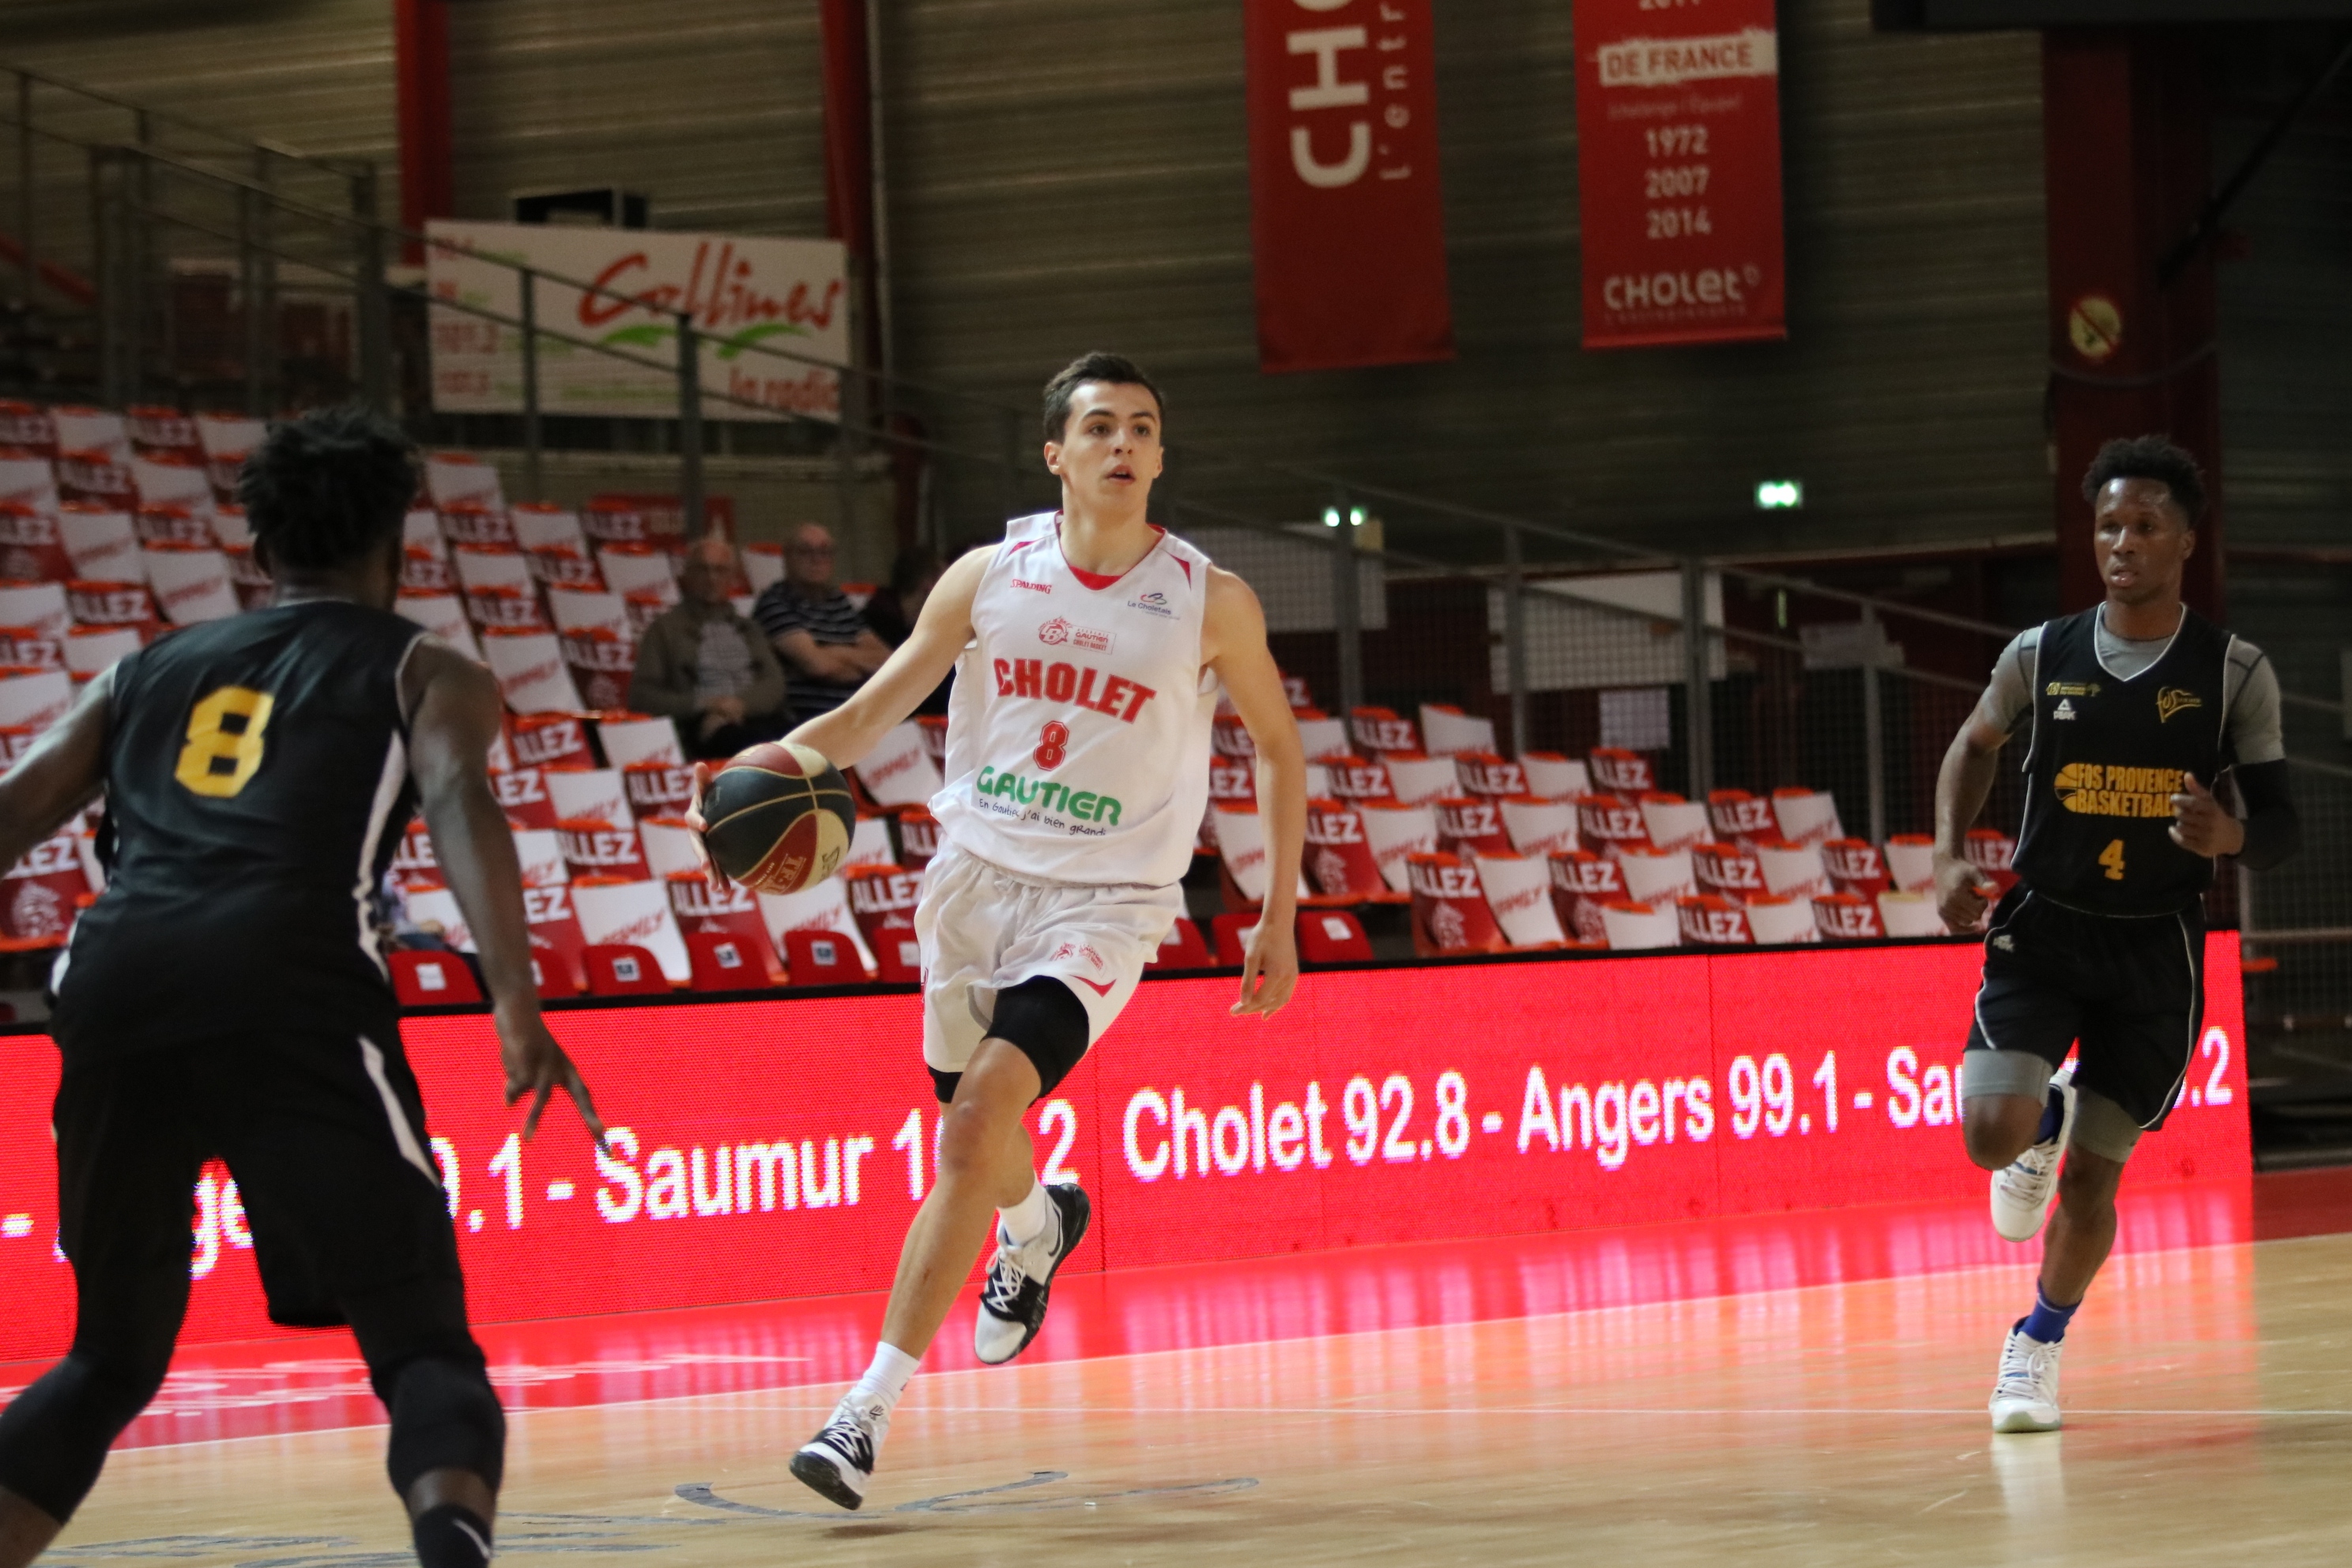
[[60, 775], [454, 711], [1232, 643], [911, 673], [1962, 786]]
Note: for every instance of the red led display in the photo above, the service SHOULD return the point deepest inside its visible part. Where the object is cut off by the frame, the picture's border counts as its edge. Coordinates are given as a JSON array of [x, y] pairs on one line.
[[777, 1148]]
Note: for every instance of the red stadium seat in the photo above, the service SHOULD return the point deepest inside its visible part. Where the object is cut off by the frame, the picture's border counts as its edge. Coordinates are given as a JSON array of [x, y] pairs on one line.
[[722, 962], [1183, 948], [1332, 936], [821, 958], [898, 956], [553, 982], [431, 979], [623, 969], [1233, 935]]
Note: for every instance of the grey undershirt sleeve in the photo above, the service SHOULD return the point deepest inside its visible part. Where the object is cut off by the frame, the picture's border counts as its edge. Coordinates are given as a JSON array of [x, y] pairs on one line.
[[2009, 693], [2254, 732]]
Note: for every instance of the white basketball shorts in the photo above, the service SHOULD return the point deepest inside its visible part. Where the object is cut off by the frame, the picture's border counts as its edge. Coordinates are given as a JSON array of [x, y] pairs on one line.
[[983, 930]]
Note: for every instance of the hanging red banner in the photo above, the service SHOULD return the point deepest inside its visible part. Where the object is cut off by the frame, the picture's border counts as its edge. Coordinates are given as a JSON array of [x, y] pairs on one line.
[[1346, 217], [1678, 132]]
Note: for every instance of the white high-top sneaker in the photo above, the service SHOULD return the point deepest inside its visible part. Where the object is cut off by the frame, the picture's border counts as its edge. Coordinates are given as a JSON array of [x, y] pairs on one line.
[[2025, 1395], [2022, 1190]]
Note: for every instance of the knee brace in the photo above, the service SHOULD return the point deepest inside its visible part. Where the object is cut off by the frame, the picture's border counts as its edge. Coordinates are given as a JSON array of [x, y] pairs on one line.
[[444, 1417], [1044, 1019], [55, 1435]]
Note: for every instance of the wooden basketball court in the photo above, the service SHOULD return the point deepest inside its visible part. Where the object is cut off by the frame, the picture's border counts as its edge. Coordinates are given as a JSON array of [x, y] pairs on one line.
[[1808, 1390]]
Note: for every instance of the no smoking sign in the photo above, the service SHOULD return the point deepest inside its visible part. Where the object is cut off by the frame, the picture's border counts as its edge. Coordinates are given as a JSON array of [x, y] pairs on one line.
[[2095, 327]]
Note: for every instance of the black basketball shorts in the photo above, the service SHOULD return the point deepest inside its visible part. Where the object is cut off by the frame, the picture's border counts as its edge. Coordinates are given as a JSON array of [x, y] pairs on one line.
[[325, 1138], [2130, 990]]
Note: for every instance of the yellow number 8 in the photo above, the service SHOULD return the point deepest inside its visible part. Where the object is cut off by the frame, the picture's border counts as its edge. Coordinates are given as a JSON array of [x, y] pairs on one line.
[[224, 749]]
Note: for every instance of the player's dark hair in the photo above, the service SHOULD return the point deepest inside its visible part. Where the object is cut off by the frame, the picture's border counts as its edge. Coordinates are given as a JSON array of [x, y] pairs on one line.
[[326, 488], [1116, 369], [2150, 457]]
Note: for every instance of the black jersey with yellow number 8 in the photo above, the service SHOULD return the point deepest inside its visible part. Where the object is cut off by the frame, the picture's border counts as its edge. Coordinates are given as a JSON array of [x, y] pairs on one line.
[[2108, 756], [257, 784]]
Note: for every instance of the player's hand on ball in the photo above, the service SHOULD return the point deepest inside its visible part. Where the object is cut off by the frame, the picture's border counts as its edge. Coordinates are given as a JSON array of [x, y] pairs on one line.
[[2200, 824], [536, 1066], [1962, 895], [697, 827], [1269, 969]]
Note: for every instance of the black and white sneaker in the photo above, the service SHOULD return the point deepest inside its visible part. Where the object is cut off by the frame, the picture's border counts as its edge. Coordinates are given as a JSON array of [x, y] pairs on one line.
[[838, 1461], [1012, 1302]]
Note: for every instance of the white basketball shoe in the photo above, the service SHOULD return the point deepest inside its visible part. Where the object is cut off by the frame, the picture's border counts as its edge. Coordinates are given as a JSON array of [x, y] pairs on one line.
[[839, 1462], [1021, 1278], [2022, 1190], [2025, 1395]]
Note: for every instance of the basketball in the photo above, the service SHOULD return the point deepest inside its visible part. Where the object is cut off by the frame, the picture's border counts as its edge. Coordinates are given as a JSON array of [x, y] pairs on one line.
[[780, 817]]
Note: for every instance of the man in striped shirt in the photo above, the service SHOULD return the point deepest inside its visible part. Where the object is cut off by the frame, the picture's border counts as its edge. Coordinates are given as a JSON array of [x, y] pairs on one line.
[[827, 648]]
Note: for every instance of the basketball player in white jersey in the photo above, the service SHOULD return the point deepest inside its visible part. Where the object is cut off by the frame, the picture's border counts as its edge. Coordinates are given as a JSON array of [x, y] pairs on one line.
[[1088, 647]]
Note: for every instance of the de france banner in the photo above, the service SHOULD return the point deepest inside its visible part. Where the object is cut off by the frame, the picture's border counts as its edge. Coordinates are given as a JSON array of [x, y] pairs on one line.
[[1347, 222], [1678, 133]]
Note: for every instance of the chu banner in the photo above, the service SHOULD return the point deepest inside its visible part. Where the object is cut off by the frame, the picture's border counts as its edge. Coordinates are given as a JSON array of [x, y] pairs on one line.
[[1678, 133], [1346, 221], [743, 294]]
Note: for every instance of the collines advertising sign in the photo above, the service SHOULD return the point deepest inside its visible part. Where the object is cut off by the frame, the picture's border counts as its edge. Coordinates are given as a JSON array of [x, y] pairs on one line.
[[744, 295], [1678, 132], [1346, 222]]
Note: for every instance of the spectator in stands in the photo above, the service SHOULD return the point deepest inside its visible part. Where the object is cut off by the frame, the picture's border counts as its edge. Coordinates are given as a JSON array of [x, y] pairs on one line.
[[703, 665], [815, 630], [892, 610]]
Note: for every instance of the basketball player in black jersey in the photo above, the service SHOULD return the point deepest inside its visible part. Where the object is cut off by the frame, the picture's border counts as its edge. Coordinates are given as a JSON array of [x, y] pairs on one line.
[[2132, 711], [225, 995]]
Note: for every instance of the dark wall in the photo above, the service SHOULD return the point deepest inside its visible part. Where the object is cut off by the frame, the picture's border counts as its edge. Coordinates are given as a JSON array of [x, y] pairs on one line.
[[1099, 196]]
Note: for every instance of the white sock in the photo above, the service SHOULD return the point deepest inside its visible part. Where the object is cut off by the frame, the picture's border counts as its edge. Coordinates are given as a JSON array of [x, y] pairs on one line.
[[1025, 1221], [886, 1379]]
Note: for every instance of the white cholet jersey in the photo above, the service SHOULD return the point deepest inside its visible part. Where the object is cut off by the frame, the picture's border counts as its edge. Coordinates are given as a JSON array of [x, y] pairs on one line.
[[1078, 728]]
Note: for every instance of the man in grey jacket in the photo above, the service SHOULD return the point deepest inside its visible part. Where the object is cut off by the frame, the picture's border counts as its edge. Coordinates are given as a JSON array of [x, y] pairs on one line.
[[705, 666]]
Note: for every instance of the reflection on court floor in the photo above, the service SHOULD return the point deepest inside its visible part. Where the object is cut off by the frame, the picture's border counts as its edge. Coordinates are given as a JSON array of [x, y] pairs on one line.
[[1804, 1390]]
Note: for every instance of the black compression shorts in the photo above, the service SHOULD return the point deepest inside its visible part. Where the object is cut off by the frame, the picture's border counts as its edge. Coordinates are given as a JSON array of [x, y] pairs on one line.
[[1041, 1016]]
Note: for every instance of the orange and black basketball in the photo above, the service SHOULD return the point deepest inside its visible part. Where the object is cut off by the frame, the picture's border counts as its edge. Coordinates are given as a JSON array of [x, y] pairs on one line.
[[780, 817]]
